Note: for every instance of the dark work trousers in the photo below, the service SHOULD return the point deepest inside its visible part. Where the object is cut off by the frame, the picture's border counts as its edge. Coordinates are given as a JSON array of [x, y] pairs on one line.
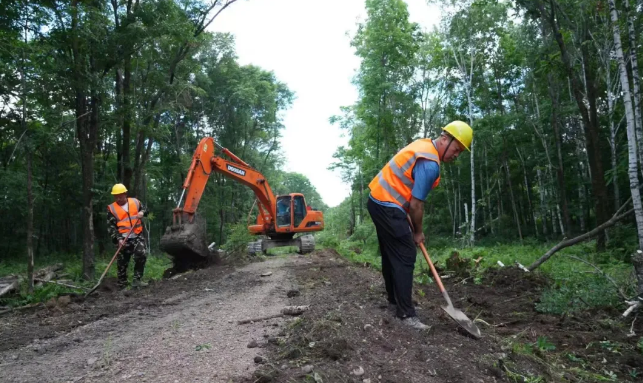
[[398, 255]]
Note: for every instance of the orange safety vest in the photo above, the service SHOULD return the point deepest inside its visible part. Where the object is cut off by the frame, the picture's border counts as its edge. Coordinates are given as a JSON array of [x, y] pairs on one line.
[[394, 182], [125, 218]]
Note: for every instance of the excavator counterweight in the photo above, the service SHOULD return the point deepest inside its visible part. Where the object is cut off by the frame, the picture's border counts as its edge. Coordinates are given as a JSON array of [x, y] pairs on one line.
[[278, 222]]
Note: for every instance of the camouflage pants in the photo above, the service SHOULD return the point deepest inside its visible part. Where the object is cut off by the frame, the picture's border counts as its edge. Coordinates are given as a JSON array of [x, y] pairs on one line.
[[135, 247]]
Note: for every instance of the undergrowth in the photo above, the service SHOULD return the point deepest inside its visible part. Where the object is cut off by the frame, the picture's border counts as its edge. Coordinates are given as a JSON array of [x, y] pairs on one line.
[[71, 271], [576, 286]]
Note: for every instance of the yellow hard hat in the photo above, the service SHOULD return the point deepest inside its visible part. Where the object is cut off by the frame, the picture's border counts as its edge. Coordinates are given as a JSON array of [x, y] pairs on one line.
[[119, 189], [461, 131]]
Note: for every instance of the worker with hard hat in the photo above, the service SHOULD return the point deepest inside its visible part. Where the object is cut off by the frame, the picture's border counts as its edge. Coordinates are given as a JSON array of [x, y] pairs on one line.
[[124, 217], [401, 188]]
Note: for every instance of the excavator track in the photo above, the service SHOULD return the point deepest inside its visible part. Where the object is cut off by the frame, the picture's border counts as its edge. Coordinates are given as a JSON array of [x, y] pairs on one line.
[[255, 248], [306, 244]]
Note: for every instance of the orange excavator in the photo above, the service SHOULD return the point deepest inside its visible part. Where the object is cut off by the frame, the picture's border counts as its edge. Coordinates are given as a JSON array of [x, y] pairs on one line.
[[279, 220]]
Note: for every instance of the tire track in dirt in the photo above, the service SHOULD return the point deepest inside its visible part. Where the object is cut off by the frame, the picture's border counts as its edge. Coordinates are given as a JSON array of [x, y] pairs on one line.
[[159, 342]]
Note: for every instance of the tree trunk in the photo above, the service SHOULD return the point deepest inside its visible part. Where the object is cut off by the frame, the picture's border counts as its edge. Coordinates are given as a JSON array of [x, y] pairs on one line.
[[589, 116], [636, 81], [23, 123], [560, 171], [127, 124], [637, 262], [460, 215], [361, 195], [611, 100], [488, 192], [86, 130], [594, 151], [472, 228], [532, 212], [30, 257], [513, 201], [581, 196], [543, 206], [629, 116], [351, 229]]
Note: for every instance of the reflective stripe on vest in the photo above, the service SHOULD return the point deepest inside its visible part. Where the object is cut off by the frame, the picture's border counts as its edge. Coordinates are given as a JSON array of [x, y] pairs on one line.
[[125, 218], [394, 183]]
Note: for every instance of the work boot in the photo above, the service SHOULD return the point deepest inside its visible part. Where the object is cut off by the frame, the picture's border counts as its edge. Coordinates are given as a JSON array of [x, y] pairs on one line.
[[122, 285], [415, 323], [137, 284]]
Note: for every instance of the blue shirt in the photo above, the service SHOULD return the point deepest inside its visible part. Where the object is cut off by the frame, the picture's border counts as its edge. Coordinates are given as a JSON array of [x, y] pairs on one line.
[[425, 172]]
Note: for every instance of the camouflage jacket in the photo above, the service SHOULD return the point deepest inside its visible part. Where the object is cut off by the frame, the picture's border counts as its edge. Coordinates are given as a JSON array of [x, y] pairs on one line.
[[112, 227]]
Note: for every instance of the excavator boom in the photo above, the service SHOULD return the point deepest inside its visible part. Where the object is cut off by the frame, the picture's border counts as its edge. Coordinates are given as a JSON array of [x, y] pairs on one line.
[[205, 161]]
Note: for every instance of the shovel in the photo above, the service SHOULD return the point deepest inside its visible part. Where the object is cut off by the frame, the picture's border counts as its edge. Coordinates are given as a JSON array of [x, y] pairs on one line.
[[110, 262], [454, 313]]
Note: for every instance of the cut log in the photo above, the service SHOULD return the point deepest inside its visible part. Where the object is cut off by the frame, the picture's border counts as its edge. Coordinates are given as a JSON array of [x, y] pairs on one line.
[[288, 310], [48, 273], [569, 242], [9, 284], [61, 283]]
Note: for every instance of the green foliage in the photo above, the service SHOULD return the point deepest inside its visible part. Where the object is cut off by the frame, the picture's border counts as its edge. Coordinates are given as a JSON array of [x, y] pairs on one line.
[[202, 347], [155, 266], [543, 344], [238, 238], [577, 293]]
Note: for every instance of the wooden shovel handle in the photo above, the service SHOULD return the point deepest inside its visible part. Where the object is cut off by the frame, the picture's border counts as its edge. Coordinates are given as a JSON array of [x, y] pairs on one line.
[[120, 246], [436, 276]]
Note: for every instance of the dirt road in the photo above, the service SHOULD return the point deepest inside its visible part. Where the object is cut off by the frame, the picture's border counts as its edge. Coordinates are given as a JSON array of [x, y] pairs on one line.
[[156, 336], [185, 330]]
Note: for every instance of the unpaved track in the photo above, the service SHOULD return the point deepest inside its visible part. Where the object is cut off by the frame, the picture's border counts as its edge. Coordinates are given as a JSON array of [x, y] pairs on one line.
[[159, 343]]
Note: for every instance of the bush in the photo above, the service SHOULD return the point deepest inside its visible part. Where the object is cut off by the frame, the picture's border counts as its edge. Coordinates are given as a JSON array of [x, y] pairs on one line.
[[578, 292], [238, 237]]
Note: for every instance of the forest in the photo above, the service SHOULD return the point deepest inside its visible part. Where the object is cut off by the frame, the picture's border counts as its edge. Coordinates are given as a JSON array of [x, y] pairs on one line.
[[94, 93], [552, 92]]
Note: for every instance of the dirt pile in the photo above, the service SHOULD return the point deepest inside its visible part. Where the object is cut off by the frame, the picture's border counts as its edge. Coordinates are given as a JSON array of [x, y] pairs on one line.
[[348, 335], [591, 345]]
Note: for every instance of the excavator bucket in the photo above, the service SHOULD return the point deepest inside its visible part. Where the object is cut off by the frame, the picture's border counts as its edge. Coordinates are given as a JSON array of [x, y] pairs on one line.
[[186, 243]]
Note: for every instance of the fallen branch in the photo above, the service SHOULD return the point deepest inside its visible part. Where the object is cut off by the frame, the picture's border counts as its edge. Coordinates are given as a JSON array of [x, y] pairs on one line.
[[48, 273], [288, 310], [569, 242], [20, 308], [601, 272], [632, 333], [260, 318], [61, 284], [9, 286], [634, 306]]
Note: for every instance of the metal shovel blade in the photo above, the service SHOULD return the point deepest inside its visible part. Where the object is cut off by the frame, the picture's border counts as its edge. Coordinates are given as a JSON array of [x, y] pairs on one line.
[[463, 321], [458, 316]]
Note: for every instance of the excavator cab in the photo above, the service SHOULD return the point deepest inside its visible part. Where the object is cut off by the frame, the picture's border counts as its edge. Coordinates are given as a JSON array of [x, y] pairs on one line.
[[284, 210]]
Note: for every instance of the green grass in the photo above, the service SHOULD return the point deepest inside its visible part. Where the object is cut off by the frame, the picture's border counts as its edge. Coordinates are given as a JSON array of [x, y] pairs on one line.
[[576, 286], [72, 267]]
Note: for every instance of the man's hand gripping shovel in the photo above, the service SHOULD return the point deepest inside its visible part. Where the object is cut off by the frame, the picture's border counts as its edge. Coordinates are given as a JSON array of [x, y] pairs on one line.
[[120, 247], [454, 313]]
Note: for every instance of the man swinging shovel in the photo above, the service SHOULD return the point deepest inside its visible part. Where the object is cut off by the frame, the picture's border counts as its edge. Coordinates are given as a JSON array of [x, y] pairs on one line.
[[399, 190], [124, 225]]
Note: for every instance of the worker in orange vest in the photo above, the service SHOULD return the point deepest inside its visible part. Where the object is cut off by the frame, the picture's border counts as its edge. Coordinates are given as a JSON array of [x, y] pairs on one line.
[[122, 215], [401, 188]]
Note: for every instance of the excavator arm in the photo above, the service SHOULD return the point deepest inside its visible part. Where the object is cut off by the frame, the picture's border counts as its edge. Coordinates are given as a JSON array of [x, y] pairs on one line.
[[205, 160]]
